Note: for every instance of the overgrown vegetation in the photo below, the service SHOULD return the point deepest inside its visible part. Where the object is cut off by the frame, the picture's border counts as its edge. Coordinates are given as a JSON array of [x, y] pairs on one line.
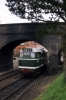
[[56, 91], [53, 71]]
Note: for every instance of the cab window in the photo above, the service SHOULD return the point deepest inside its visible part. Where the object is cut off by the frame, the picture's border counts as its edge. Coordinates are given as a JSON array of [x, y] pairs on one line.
[[32, 55], [38, 54]]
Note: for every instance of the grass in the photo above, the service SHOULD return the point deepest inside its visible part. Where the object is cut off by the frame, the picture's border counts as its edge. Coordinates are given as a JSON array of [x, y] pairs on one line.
[[56, 91]]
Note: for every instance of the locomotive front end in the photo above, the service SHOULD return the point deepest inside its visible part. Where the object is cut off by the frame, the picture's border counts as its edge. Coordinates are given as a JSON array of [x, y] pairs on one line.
[[33, 60], [27, 61]]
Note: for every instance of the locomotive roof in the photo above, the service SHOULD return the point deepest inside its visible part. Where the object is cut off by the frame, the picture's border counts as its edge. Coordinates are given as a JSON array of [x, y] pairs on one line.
[[45, 50], [36, 49]]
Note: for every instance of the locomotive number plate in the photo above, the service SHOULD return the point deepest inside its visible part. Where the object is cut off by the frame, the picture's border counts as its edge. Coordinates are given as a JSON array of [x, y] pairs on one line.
[[26, 53]]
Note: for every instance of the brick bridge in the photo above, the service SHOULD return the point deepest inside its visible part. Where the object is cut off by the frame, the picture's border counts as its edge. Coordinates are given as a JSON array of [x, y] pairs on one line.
[[12, 35]]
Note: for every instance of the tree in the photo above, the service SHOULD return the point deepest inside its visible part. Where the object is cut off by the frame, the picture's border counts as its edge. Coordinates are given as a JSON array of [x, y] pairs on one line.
[[35, 10]]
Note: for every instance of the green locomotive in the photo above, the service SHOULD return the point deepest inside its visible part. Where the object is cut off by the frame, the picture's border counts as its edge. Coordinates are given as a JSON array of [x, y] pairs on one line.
[[33, 60]]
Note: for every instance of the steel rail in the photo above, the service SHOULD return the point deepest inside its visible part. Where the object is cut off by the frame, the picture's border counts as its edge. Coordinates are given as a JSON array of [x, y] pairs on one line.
[[32, 81], [9, 84], [19, 96], [8, 74], [17, 89]]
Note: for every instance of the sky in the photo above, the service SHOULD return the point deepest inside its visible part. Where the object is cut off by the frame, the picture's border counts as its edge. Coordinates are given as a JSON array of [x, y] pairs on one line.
[[6, 17]]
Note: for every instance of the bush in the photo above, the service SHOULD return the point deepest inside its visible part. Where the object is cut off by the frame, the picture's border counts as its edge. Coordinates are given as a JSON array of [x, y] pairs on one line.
[[53, 71]]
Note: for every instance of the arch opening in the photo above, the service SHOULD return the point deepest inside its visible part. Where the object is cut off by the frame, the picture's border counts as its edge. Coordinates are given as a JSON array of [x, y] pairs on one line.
[[60, 59], [28, 44]]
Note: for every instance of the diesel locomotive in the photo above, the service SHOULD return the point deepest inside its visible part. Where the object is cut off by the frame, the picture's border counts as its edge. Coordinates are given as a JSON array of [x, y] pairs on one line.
[[33, 60]]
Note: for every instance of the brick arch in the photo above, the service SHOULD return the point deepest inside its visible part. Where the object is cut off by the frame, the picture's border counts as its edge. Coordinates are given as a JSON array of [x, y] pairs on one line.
[[13, 34]]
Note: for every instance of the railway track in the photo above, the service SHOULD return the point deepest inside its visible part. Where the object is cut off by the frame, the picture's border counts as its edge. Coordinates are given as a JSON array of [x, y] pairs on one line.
[[7, 92], [15, 90], [8, 78], [8, 74]]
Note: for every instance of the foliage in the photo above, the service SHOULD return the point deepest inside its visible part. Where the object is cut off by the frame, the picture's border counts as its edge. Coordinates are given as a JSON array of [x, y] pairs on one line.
[[51, 28], [35, 9], [53, 70]]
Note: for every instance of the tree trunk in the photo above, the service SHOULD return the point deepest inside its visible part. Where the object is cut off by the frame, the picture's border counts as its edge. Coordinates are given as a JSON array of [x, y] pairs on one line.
[[64, 65]]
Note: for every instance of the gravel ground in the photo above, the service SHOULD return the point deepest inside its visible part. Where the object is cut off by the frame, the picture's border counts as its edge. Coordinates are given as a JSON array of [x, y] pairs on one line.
[[39, 87]]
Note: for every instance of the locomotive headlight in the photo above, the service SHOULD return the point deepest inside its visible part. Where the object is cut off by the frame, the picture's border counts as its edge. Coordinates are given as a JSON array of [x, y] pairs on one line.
[[37, 60]]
